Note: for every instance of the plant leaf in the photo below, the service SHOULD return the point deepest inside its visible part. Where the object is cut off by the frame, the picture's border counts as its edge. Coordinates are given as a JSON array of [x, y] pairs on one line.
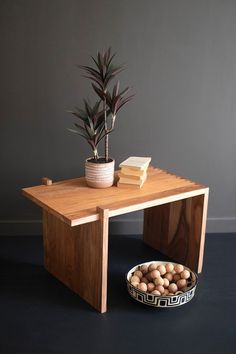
[[90, 71], [125, 91], [99, 82], [124, 101], [96, 63], [110, 60], [77, 132], [116, 89], [95, 108], [99, 92]]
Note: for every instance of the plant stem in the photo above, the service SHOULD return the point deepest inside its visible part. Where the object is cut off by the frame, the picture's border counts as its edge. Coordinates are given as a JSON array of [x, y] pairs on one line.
[[106, 148], [106, 128], [95, 152]]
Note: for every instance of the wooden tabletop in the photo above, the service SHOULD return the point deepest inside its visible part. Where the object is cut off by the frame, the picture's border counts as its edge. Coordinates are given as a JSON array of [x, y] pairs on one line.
[[75, 203]]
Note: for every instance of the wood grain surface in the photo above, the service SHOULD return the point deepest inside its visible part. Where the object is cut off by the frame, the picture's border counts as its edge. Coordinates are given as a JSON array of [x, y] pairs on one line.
[[78, 256], [75, 226], [73, 202], [177, 229]]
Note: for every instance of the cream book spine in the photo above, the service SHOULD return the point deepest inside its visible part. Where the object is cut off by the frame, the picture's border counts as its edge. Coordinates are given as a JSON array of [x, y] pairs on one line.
[[131, 181], [137, 163], [128, 185], [132, 171], [133, 177]]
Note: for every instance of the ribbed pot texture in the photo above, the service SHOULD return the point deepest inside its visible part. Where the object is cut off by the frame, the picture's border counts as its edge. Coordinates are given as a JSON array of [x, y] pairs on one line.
[[99, 175]]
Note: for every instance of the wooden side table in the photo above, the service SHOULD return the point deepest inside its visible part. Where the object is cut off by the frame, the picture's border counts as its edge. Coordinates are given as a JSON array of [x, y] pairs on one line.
[[76, 219]]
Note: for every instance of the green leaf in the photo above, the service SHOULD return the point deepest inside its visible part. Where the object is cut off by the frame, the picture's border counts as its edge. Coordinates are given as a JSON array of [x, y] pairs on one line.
[[89, 131], [91, 125], [96, 108], [88, 109], [77, 132], [78, 115], [82, 114], [81, 129]]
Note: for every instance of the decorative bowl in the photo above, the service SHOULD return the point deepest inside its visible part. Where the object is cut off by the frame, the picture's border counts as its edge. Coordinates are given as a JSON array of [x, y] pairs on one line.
[[178, 299]]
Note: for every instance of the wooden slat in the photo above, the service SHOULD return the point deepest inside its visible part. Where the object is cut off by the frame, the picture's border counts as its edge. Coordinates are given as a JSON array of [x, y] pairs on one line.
[[203, 230], [104, 225], [73, 202]]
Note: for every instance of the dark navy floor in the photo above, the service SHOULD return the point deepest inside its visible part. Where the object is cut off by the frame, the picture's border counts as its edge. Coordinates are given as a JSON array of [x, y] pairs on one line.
[[39, 315]]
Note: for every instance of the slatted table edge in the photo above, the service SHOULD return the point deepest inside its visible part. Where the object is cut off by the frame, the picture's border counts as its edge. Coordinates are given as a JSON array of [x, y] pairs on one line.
[[131, 205]]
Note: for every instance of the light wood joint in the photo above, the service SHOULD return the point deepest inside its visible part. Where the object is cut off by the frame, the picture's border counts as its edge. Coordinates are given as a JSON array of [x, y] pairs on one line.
[[46, 181]]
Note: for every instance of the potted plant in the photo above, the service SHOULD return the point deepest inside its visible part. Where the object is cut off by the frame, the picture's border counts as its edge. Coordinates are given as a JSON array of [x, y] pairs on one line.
[[97, 121]]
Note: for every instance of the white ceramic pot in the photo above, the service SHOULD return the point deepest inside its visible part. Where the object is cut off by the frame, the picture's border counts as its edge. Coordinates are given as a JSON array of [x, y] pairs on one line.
[[99, 174]]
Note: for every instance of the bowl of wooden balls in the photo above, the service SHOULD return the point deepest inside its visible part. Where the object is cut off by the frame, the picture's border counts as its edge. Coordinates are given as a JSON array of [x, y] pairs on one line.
[[161, 284]]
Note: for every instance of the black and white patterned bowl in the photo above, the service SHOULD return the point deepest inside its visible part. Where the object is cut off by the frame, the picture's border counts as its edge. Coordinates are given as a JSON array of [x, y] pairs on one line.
[[180, 298]]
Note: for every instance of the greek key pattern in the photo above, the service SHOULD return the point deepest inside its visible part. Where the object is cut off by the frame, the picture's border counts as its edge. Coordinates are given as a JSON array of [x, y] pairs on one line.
[[161, 301]]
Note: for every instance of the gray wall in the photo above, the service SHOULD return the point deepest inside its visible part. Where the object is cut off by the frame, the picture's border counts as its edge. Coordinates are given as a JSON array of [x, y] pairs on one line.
[[180, 58]]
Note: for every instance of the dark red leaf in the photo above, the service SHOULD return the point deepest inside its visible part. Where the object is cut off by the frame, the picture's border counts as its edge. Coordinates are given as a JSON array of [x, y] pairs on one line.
[[99, 92]]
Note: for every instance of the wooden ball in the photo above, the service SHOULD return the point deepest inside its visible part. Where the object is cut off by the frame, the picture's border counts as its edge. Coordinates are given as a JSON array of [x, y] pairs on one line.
[[169, 267], [162, 269], [172, 288], [142, 286], [185, 274], [179, 268], [152, 266], [138, 273], [148, 276], [158, 281], [135, 284], [176, 277], [144, 280], [166, 283], [160, 288], [156, 292], [144, 268], [150, 287], [169, 276], [181, 283], [155, 274], [134, 278]]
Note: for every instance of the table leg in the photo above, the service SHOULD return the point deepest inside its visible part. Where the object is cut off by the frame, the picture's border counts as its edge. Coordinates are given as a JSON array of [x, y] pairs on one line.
[[177, 229], [78, 256]]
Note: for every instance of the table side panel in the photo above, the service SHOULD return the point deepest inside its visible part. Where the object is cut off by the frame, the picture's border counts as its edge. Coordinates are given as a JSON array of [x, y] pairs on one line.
[[75, 257], [177, 229]]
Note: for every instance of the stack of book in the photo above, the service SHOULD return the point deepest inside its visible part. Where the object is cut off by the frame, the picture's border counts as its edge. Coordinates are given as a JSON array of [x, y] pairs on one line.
[[133, 171]]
